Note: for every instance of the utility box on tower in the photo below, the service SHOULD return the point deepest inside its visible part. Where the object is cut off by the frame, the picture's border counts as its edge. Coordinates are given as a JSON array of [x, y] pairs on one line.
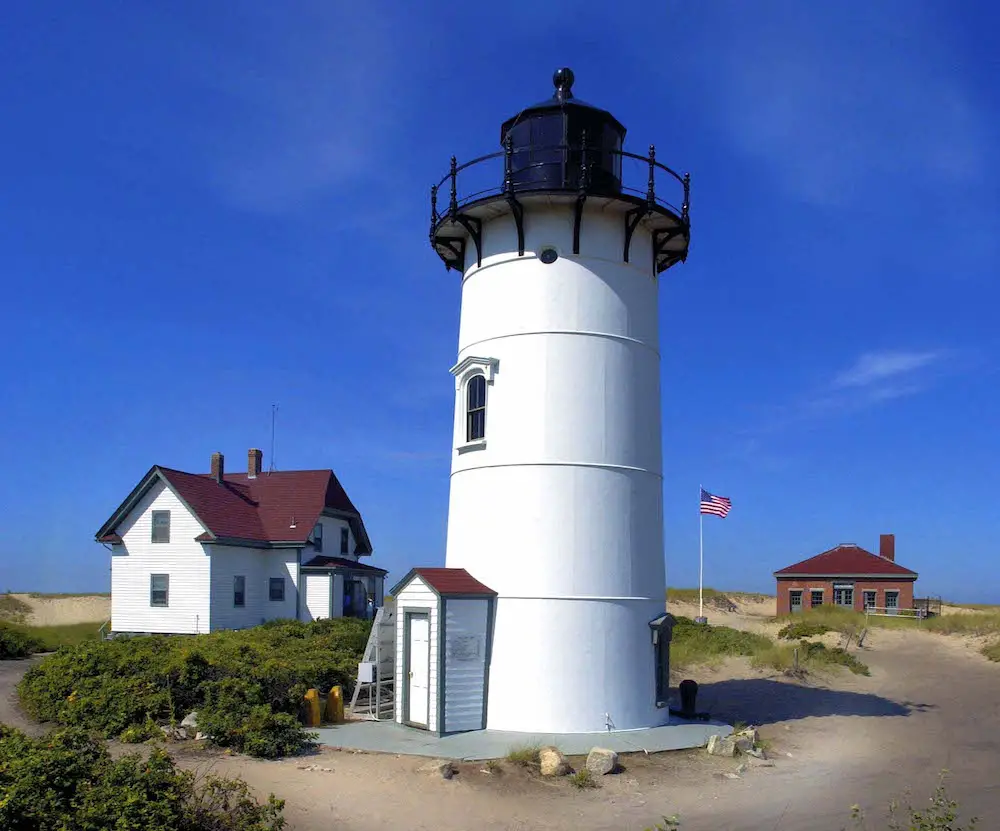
[[560, 239]]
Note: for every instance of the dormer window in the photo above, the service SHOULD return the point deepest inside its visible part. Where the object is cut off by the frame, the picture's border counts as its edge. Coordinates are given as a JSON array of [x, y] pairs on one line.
[[318, 536], [161, 526], [475, 414], [345, 537]]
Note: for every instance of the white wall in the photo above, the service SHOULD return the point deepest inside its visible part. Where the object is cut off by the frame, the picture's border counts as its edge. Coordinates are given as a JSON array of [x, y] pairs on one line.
[[315, 596], [227, 562], [280, 563], [571, 473], [465, 639], [331, 539], [416, 596], [185, 560]]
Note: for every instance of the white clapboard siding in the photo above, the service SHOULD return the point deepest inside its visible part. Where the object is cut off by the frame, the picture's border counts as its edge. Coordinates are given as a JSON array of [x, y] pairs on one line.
[[316, 593], [416, 596], [282, 563], [331, 538], [228, 562], [183, 559], [465, 630]]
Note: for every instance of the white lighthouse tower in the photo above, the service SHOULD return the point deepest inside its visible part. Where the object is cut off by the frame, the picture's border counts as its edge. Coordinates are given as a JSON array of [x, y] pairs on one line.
[[556, 486]]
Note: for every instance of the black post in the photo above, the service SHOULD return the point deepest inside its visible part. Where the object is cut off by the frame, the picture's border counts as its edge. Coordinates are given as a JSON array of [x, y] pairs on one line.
[[434, 210], [651, 187], [687, 196], [453, 207], [508, 164], [689, 695]]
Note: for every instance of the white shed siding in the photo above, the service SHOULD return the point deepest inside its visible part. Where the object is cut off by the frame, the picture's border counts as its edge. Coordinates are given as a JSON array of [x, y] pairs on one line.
[[281, 563], [229, 561], [465, 629], [185, 560], [417, 596], [316, 593]]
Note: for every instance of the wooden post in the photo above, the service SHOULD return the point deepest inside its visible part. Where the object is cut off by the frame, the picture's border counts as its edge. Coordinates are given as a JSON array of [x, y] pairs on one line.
[[795, 653], [335, 705]]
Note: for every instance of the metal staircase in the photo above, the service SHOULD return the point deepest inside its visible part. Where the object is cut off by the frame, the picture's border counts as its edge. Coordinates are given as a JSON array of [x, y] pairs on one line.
[[374, 697]]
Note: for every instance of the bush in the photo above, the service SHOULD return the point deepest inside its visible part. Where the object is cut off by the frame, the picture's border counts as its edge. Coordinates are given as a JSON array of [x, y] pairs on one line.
[[695, 643], [992, 651], [16, 643], [68, 780], [817, 653], [941, 815], [246, 685], [802, 629]]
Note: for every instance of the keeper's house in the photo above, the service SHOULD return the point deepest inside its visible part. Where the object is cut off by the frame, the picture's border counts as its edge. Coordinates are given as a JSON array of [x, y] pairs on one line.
[[849, 577], [200, 552]]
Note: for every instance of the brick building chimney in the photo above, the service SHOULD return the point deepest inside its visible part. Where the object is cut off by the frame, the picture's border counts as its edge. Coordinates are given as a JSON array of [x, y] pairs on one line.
[[887, 547], [218, 467], [255, 459]]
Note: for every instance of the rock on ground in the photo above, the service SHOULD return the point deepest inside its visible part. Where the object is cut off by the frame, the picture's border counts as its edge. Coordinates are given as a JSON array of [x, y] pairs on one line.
[[601, 761], [722, 746], [553, 763], [442, 767]]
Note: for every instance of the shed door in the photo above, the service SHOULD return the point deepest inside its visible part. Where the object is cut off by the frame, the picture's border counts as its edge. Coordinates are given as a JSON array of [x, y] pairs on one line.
[[418, 669]]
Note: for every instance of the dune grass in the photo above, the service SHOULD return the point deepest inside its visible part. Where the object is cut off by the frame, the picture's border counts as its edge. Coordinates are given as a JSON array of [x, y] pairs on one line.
[[60, 595], [691, 595], [703, 644], [13, 608], [524, 756]]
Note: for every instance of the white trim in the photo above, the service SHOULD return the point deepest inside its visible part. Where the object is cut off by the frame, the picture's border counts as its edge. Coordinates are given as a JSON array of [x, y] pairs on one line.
[[583, 332], [600, 465], [468, 366]]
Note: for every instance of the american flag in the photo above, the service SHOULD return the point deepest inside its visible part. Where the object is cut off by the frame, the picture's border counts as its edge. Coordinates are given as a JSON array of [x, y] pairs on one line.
[[716, 505]]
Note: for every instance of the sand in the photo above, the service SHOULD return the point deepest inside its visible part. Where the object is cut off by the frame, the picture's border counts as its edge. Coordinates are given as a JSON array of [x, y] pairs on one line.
[[58, 610]]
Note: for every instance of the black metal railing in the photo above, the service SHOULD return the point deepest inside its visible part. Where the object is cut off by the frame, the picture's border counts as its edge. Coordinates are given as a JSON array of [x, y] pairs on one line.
[[581, 171]]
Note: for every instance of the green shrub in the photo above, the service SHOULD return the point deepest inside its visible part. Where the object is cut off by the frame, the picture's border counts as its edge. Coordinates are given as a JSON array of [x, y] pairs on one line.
[[246, 685], [583, 778], [68, 780], [817, 653], [992, 651], [695, 643], [524, 756], [942, 814], [16, 643], [802, 629]]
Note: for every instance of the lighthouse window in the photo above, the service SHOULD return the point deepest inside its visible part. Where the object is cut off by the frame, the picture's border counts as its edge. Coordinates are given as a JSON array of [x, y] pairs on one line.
[[476, 412]]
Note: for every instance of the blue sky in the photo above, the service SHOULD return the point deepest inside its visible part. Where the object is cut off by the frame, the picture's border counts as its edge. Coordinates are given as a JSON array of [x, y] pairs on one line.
[[210, 208]]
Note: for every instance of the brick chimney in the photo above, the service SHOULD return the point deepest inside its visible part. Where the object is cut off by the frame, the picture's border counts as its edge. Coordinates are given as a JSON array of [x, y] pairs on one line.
[[218, 467], [887, 547], [255, 460]]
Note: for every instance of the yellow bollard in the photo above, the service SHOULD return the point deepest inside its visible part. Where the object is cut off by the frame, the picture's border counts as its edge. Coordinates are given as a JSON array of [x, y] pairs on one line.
[[312, 708], [335, 705]]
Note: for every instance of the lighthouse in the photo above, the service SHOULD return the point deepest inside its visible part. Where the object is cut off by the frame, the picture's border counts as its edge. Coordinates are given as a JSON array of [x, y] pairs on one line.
[[561, 238]]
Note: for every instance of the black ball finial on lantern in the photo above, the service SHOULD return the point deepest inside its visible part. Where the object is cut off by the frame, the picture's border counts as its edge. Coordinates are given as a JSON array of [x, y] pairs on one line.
[[563, 80]]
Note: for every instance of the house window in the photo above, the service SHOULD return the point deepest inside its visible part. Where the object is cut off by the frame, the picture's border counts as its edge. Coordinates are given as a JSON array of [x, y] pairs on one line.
[[891, 601], [239, 590], [816, 597], [843, 595], [475, 420], [276, 589], [161, 526], [795, 601], [870, 599], [159, 589], [344, 539], [318, 536]]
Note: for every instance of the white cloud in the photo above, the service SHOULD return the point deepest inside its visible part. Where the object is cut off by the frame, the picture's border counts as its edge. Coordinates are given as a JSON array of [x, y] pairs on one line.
[[887, 366]]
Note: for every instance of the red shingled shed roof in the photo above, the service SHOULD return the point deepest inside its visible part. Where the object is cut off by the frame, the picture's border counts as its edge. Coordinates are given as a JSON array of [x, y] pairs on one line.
[[280, 506], [846, 560], [447, 581]]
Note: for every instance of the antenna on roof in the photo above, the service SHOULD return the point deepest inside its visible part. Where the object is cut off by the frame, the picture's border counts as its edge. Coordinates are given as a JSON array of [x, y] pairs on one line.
[[270, 461]]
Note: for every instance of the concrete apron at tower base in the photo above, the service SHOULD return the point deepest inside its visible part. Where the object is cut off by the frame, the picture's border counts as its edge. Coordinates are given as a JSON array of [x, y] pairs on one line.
[[573, 665], [476, 745]]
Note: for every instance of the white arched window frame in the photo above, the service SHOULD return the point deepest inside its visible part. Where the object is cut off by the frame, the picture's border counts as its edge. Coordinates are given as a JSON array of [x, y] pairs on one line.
[[473, 379]]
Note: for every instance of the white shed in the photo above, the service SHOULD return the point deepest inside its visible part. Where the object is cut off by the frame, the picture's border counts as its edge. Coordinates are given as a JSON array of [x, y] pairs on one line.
[[444, 626]]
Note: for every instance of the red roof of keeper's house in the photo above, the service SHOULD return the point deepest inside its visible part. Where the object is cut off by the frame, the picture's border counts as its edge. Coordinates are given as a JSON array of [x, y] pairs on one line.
[[846, 559], [447, 581], [276, 507]]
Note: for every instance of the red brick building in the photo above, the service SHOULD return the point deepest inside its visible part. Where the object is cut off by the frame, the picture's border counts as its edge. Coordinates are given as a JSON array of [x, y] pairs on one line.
[[849, 577]]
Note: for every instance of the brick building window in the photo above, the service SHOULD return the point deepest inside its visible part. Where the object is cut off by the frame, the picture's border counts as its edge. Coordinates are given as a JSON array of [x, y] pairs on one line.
[[843, 595], [816, 597], [870, 598]]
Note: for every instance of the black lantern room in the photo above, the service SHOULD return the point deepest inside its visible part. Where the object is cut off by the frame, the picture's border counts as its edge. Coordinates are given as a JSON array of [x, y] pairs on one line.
[[563, 151], [548, 142]]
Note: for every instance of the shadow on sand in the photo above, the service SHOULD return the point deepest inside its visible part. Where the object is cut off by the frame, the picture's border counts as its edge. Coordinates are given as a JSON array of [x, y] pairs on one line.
[[764, 701]]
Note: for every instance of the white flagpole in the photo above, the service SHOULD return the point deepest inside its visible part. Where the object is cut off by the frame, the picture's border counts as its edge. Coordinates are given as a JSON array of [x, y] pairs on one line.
[[701, 556]]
